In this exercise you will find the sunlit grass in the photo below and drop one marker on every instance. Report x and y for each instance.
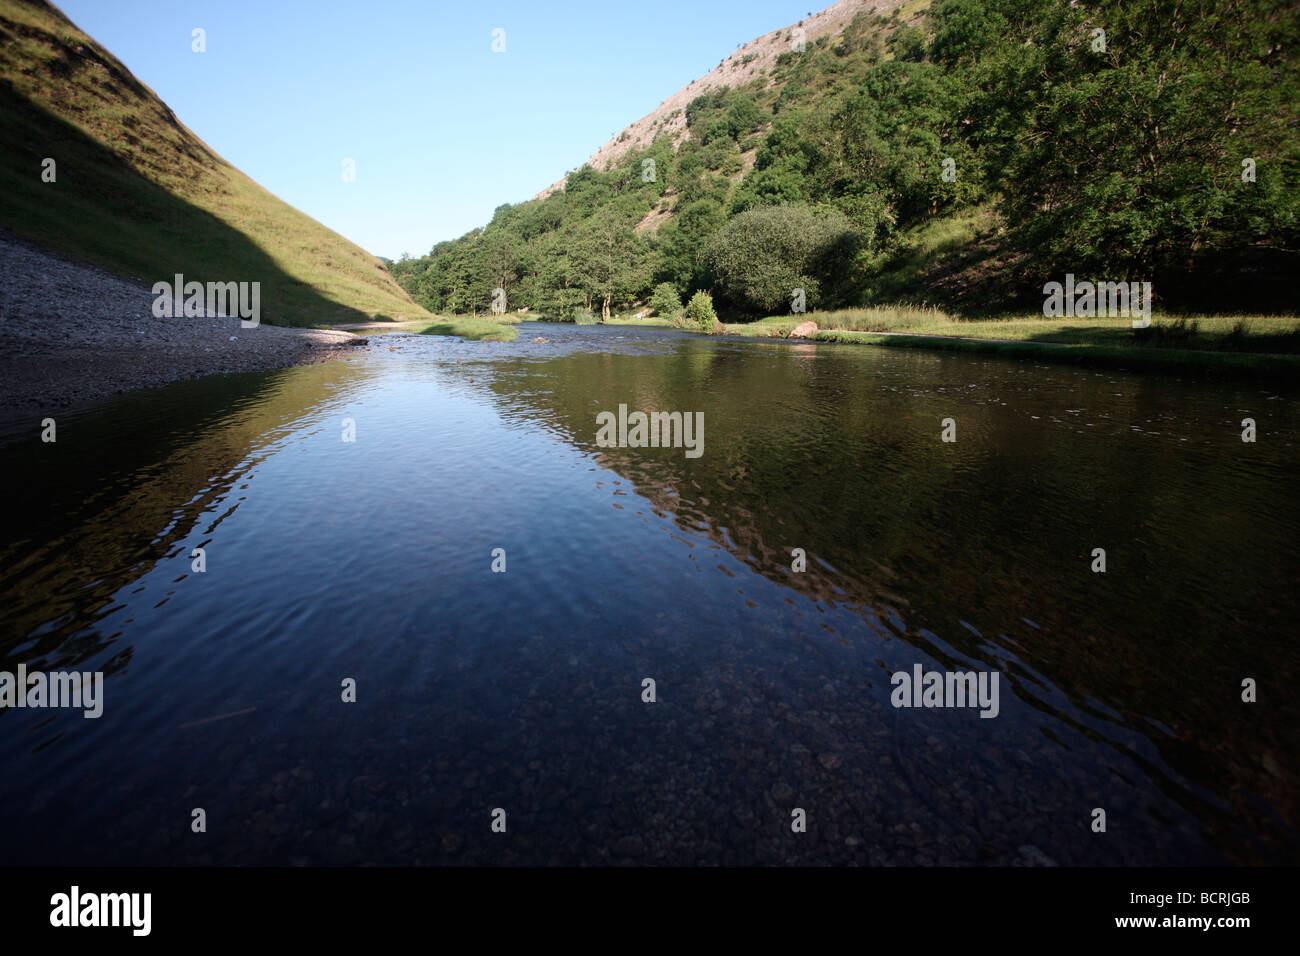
(473, 329)
(648, 321)
(1278, 334)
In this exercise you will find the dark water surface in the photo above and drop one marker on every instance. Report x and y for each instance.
(371, 560)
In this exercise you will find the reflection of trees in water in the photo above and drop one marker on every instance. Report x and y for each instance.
(130, 482)
(842, 457)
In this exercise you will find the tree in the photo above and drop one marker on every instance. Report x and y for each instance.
(679, 242)
(613, 261)
(908, 43)
(665, 301)
(761, 257)
(699, 311)
(1129, 163)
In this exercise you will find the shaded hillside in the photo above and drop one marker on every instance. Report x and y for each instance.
(137, 193)
(961, 153)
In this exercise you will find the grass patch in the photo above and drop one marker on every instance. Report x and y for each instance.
(1208, 333)
(648, 321)
(473, 329)
(1267, 345)
(882, 319)
(1259, 334)
(1100, 356)
(926, 246)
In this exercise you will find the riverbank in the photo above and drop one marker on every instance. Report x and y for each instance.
(1233, 345)
(72, 334)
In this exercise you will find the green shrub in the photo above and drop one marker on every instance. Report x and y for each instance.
(908, 43)
(665, 301)
(745, 116)
(718, 129)
(584, 316)
(699, 311)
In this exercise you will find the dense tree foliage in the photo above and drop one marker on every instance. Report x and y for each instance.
(666, 301)
(1128, 139)
(766, 257)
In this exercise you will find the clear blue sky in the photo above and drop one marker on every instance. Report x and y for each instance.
(442, 129)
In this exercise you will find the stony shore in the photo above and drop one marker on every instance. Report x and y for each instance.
(71, 334)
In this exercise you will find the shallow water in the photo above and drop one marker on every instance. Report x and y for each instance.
(371, 560)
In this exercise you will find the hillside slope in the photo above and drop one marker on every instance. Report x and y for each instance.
(139, 194)
(959, 153)
(749, 62)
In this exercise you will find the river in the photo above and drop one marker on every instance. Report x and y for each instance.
(329, 564)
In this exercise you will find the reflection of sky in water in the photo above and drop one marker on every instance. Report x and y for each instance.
(371, 560)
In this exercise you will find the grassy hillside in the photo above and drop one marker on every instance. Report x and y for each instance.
(960, 153)
(140, 195)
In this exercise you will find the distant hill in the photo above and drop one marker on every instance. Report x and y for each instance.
(959, 153)
(138, 193)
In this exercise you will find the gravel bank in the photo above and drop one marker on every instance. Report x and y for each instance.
(72, 334)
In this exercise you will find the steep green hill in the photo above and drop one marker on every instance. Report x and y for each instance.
(138, 193)
(961, 153)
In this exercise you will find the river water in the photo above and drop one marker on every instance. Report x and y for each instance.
(371, 561)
